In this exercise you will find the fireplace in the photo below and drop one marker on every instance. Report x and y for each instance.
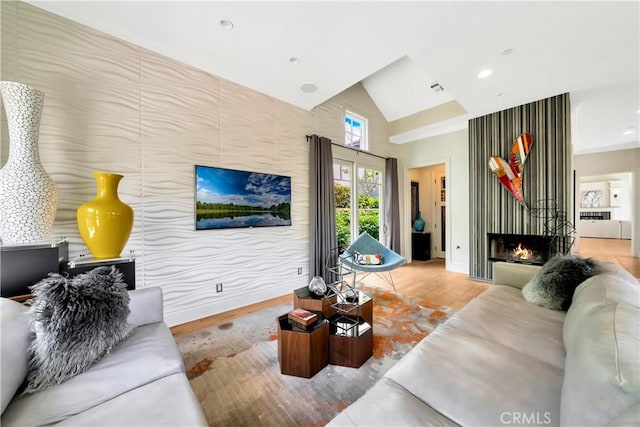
(520, 248)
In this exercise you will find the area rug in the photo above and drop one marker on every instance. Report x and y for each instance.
(234, 371)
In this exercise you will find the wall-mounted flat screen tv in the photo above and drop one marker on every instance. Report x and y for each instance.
(227, 198)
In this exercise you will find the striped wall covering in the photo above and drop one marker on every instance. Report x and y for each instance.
(547, 172)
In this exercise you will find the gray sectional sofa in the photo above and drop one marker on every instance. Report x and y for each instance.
(503, 361)
(141, 383)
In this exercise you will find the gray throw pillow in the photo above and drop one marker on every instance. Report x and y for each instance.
(76, 323)
(553, 285)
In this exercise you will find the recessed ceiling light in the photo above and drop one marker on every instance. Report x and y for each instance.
(294, 60)
(628, 131)
(501, 94)
(437, 87)
(226, 24)
(308, 88)
(507, 51)
(484, 73)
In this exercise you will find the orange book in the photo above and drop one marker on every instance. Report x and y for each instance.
(302, 316)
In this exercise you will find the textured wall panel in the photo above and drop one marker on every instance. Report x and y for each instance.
(547, 172)
(90, 120)
(247, 126)
(179, 128)
(8, 67)
(115, 107)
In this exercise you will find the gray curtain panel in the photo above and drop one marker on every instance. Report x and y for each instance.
(322, 203)
(392, 205)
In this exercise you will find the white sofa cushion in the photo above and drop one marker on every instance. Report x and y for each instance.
(166, 402)
(501, 315)
(475, 381)
(14, 356)
(147, 355)
(389, 404)
(602, 340)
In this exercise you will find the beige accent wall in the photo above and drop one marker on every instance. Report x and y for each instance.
(427, 117)
(113, 106)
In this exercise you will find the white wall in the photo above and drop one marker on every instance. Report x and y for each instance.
(452, 150)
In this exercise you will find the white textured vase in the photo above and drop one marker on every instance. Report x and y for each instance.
(28, 196)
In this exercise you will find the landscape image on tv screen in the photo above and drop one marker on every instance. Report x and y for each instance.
(227, 198)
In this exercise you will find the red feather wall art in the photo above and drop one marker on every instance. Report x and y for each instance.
(510, 173)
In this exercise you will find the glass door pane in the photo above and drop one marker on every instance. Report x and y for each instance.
(342, 188)
(369, 194)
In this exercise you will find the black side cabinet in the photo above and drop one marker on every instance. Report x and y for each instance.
(421, 246)
(24, 265)
(127, 267)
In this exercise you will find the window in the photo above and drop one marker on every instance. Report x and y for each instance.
(355, 131)
(358, 192)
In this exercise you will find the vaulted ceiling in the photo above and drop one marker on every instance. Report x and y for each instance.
(398, 50)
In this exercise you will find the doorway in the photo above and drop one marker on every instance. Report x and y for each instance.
(605, 207)
(439, 212)
(428, 198)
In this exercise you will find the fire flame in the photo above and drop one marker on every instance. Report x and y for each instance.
(522, 252)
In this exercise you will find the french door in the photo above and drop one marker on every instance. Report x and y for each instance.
(358, 195)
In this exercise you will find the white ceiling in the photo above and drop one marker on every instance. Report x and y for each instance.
(399, 49)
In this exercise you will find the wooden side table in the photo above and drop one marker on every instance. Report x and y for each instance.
(302, 354)
(303, 298)
(350, 341)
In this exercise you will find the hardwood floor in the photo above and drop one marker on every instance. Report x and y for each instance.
(429, 280)
(610, 250)
(421, 279)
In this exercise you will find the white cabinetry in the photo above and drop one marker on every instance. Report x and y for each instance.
(606, 229)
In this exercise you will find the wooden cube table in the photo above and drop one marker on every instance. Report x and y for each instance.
(303, 298)
(362, 306)
(302, 354)
(350, 341)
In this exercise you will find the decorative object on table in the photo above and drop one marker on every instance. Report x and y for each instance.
(317, 286)
(302, 317)
(28, 196)
(77, 322)
(419, 223)
(510, 173)
(553, 285)
(105, 222)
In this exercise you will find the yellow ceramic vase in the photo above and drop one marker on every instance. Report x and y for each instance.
(105, 222)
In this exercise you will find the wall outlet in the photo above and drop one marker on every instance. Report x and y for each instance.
(218, 287)
(300, 271)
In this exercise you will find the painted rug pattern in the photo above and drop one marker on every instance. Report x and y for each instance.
(233, 368)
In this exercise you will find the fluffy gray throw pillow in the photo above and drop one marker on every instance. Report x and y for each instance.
(77, 322)
(553, 285)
